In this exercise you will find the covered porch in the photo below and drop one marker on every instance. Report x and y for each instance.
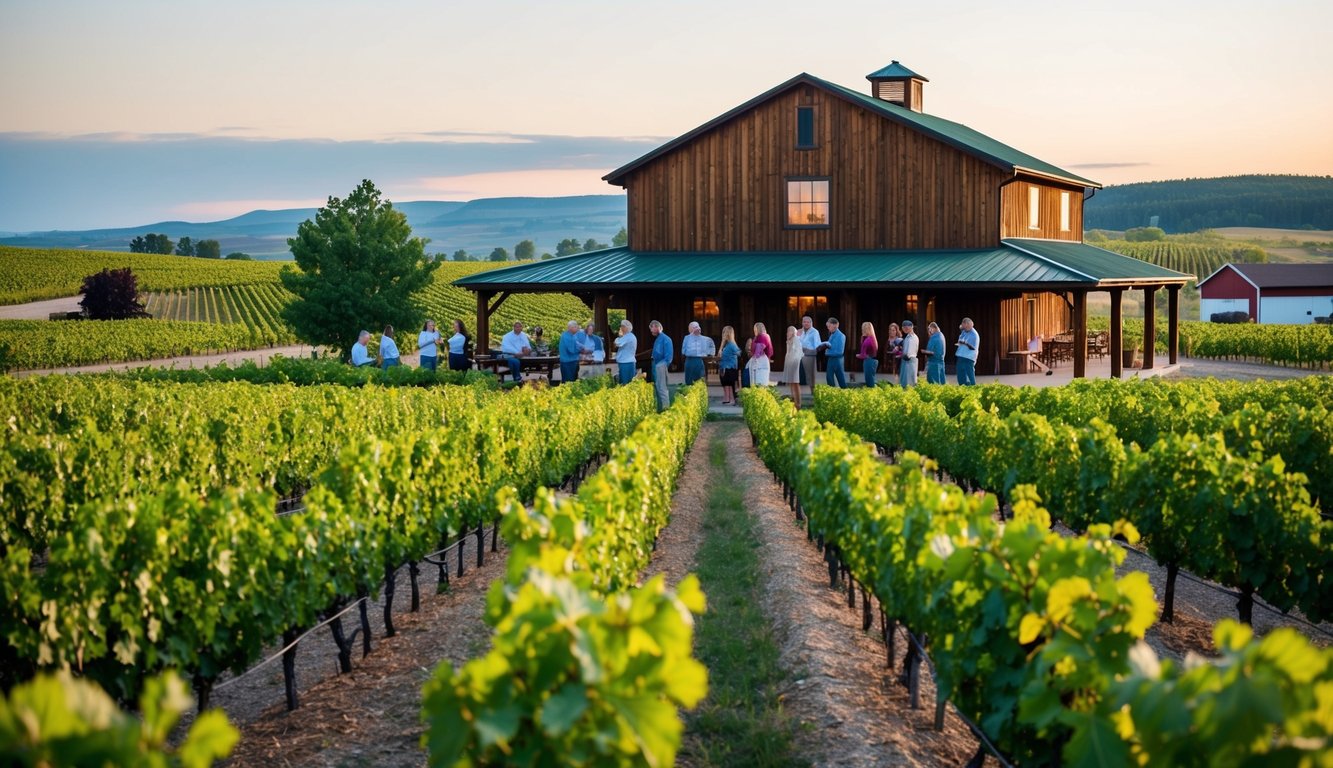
(1015, 291)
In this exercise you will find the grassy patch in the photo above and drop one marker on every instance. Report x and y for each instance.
(741, 722)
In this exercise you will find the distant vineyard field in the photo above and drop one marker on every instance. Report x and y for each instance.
(256, 306)
(1193, 257)
(33, 274)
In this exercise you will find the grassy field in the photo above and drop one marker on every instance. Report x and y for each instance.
(1286, 245)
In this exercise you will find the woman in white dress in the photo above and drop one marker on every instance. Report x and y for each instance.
(791, 365)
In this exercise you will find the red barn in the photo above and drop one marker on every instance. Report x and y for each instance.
(1292, 294)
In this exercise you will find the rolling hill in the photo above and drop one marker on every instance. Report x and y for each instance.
(476, 226)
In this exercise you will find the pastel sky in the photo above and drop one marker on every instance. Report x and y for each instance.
(127, 113)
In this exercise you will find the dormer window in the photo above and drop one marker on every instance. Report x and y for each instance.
(805, 127)
(808, 202)
(1034, 207)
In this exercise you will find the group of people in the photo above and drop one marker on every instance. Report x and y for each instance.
(429, 343)
(577, 345)
(580, 344)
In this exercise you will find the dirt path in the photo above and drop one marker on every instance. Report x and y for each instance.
(678, 543)
(854, 713)
(1228, 370)
(372, 715)
(39, 310)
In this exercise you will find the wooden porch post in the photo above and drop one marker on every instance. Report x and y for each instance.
(1080, 334)
(482, 345)
(1117, 334)
(851, 326)
(600, 302)
(1172, 323)
(1149, 325)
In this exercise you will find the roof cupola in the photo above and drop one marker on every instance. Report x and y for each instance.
(897, 84)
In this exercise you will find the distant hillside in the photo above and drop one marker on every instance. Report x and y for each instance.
(1188, 205)
(477, 226)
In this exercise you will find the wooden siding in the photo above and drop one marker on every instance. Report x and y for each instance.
(891, 187)
(1014, 211)
(1228, 284)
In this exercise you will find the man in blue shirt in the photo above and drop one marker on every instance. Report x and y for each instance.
(663, 351)
(969, 342)
(360, 350)
(835, 374)
(695, 347)
(569, 353)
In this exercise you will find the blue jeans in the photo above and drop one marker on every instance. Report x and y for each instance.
(626, 373)
(694, 369)
(388, 363)
(907, 373)
(870, 366)
(967, 371)
(834, 373)
(515, 368)
(935, 372)
(569, 371)
(660, 386)
(429, 363)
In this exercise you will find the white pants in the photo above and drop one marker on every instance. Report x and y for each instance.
(759, 370)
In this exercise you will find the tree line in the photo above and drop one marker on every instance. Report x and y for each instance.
(527, 250)
(1188, 205)
(162, 244)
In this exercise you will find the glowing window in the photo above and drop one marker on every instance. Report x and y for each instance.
(807, 203)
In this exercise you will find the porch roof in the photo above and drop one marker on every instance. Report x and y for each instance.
(1015, 264)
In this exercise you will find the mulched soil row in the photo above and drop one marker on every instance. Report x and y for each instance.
(852, 709)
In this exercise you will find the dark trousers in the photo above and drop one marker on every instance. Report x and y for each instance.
(457, 362)
(569, 371)
(694, 369)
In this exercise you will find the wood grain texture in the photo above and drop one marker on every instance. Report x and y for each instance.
(890, 186)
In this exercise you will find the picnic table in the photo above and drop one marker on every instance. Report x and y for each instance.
(1033, 360)
(499, 364)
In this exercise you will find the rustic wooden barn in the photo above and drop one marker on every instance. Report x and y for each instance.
(813, 198)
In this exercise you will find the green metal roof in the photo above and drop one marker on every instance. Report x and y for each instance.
(894, 70)
(947, 131)
(1106, 266)
(962, 137)
(1015, 264)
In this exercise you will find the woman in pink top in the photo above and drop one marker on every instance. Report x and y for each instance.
(869, 354)
(761, 357)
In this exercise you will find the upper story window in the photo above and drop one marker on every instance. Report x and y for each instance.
(805, 127)
(1064, 211)
(1034, 207)
(807, 203)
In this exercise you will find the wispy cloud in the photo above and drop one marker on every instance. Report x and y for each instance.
(538, 182)
(1105, 166)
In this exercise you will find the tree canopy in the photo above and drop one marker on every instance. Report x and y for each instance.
(525, 251)
(208, 249)
(112, 294)
(360, 267)
(499, 254)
